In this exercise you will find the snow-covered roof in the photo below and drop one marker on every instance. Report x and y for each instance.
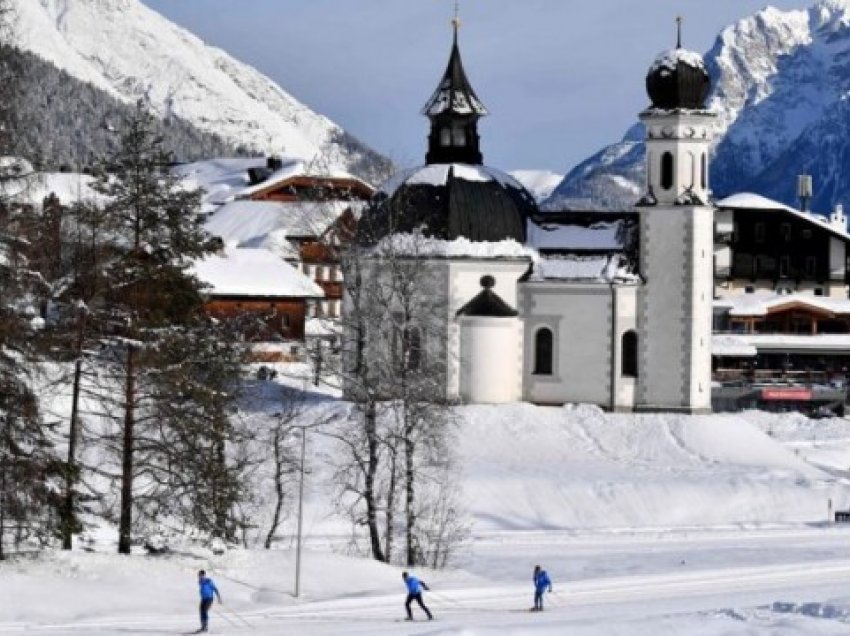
(416, 245)
(751, 201)
(602, 236)
(789, 342)
(454, 93)
(438, 175)
(599, 269)
(732, 346)
(669, 60)
(763, 302)
(253, 272)
(248, 223)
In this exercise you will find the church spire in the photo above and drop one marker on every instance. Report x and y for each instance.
(454, 110)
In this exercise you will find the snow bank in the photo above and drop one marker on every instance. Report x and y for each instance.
(416, 245)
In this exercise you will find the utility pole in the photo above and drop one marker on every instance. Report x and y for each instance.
(300, 514)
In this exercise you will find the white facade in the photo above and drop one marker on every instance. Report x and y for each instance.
(490, 359)
(677, 249)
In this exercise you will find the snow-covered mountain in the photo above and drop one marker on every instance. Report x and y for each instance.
(780, 84)
(131, 52)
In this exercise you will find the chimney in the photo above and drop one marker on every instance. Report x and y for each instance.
(274, 163)
(837, 218)
(804, 191)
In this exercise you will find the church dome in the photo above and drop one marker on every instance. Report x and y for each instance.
(678, 79)
(450, 201)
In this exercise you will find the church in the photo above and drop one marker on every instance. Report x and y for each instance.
(521, 325)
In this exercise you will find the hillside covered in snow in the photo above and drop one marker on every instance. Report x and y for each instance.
(779, 86)
(128, 52)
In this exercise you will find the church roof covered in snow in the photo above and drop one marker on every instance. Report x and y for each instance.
(454, 94)
(610, 268)
(449, 201)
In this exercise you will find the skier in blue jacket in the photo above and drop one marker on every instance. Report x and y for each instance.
(542, 584)
(414, 593)
(208, 591)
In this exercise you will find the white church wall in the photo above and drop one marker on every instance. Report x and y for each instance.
(490, 360)
(624, 312)
(464, 283)
(580, 317)
(675, 308)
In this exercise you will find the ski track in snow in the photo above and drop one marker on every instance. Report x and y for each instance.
(456, 608)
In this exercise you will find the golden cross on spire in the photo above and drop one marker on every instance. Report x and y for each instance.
(456, 19)
(679, 20)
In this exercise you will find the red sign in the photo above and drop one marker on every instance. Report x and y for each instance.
(786, 394)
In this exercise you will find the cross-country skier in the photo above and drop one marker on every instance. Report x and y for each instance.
(542, 583)
(414, 593)
(208, 591)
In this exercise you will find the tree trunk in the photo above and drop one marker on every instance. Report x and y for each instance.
(409, 500)
(2, 507)
(278, 488)
(125, 524)
(369, 487)
(68, 521)
(390, 515)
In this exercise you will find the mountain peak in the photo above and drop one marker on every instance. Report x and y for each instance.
(133, 53)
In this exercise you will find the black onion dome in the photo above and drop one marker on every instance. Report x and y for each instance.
(678, 80)
(487, 304)
(450, 201)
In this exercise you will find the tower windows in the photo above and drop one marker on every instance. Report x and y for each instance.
(760, 232)
(543, 351)
(704, 171)
(446, 137)
(629, 355)
(459, 136)
(667, 170)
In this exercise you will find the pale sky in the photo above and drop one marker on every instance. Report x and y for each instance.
(561, 78)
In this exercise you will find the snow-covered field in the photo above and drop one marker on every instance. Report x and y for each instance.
(650, 524)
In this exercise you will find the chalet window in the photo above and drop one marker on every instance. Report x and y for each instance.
(284, 320)
(786, 232)
(630, 355)
(760, 230)
(704, 171)
(818, 291)
(811, 265)
(785, 266)
(320, 273)
(667, 170)
(807, 234)
(749, 289)
(446, 137)
(543, 351)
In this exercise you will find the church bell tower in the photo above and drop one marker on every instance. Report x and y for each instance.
(677, 238)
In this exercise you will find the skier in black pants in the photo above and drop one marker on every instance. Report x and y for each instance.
(414, 593)
(208, 592)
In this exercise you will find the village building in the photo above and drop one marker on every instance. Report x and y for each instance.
(264, 293)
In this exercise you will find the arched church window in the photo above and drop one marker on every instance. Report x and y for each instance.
(459, 136)
(704, 171)
(446, 137)
(692, 167)
(543, 351)
(667, 170)
(630, 355)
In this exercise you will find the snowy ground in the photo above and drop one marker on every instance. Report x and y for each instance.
(648, 525)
